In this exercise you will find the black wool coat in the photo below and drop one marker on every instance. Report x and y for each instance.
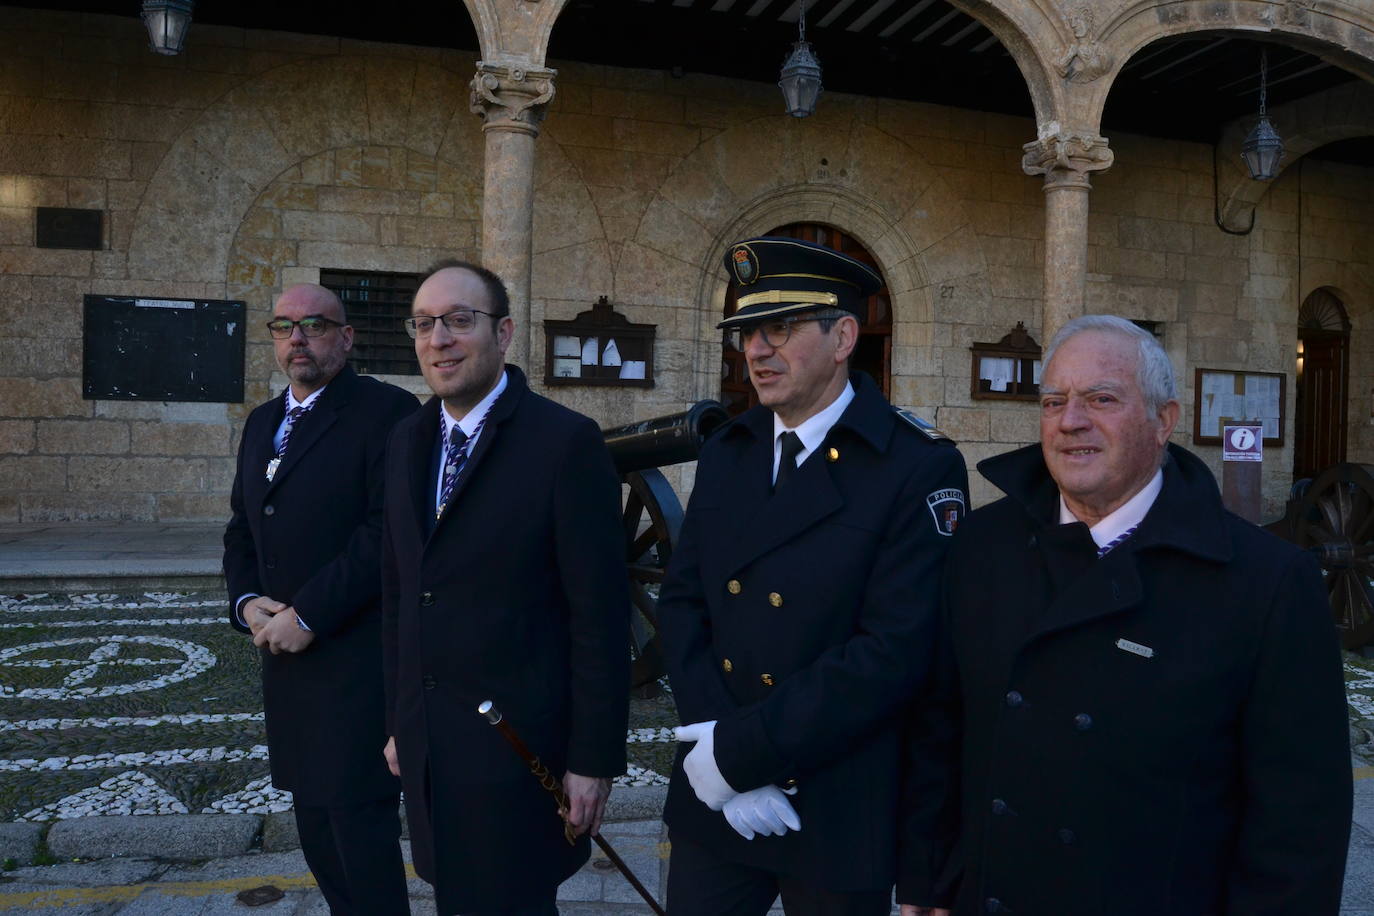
(802, 621)
(312, 538)
(1161, 731)
(518, 595)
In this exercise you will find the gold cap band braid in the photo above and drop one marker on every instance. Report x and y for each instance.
(774, 296)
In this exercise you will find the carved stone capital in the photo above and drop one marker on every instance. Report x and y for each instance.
(1065, 158)
(511, 98)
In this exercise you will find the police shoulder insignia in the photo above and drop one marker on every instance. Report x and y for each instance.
(946, 507)
(924, 427)
(745, 264)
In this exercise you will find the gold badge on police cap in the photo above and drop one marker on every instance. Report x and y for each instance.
(745, 264)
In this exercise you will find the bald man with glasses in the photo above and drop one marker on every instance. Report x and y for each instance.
(303, 569)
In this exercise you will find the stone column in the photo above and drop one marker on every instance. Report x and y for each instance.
(1065, 160)
(511, 102)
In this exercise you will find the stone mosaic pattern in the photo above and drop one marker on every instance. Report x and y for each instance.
(149, 703)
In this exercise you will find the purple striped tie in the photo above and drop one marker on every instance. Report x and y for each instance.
(1115, 542)
(455, 456)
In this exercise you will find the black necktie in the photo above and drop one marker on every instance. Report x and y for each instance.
(791, 448)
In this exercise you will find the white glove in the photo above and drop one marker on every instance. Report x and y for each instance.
(700, 765)
(765, 810)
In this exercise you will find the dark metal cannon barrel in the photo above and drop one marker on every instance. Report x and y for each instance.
(666, 440)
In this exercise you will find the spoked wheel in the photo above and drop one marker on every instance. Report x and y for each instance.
(652, 519)
(1335, 521)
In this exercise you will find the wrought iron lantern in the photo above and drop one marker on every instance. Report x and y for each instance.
(801, 74)
(1263, 148)
(167, 22)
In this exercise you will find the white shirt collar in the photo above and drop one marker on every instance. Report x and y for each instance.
(812, 430)
(309, 401)
(1131, 513)
(470, 420)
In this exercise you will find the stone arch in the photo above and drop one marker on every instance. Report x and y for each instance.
(845, 173)
(1342, 33)
(514, 34)
(1305, 125)
(217, 168)
(1031, 33)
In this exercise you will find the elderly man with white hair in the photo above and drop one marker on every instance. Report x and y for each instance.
(1148, 688)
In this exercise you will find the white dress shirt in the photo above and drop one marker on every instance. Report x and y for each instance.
(812, 431)
(1131, 513)
(468, 425)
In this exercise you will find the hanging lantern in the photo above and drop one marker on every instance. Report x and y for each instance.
(167, 22)
(801, 74)
(1262, 149)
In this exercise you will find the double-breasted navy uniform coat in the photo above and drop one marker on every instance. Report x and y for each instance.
(802, 622)
(1159, 732)
(518, 595)
(312, 538)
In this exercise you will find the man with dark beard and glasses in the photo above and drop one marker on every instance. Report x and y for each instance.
(302, 566)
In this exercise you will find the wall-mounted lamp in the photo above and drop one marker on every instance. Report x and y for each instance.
(1263, 148)
(801, 74)
(167, 22)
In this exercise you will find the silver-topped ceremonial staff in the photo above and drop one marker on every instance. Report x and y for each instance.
(555, 788)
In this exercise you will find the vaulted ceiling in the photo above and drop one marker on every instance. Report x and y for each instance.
(1184, 88)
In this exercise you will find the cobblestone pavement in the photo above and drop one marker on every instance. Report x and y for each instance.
(140, 701)
(149, 703)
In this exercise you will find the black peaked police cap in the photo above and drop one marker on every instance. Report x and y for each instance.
(780, 276)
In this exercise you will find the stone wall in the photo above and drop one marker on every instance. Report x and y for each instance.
(256, 159)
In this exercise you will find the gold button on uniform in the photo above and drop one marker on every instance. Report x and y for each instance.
(832, 455)
(727, 665)
(775, 599)
(733, 587)
(767, 679)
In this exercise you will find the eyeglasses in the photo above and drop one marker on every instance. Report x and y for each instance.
(313, 326)
(458, 321)
(776, 331)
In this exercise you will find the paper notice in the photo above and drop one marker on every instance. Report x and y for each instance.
(611, 355)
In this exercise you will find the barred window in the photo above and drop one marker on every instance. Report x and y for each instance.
(377, 303)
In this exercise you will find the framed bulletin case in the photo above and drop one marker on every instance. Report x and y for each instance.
(599, 347)
(1222, 396)
(1007, 370)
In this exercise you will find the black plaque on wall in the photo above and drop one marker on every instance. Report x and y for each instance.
(69, 227)
(162, 349)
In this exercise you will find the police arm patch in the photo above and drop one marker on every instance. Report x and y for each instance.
(946, 507)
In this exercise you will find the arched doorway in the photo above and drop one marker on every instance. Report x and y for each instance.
(873, 354)
(1323, 381)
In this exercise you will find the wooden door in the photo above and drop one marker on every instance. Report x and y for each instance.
(1319, 421)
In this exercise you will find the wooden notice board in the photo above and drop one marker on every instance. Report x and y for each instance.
(162, 349)
(1222, 396)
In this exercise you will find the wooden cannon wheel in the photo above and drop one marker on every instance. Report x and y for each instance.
(1334, 519)
(652, 519)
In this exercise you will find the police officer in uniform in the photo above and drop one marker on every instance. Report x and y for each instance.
(798, 612)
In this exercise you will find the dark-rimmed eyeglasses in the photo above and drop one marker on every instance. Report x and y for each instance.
(776, 331)
(458, 321)
(312, 326)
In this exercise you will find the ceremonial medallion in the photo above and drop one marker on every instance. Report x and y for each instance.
(272, 468)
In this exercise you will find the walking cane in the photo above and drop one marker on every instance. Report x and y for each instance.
(554, 788)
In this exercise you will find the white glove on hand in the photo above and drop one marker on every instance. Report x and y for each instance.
(700, 765)
(765, 810)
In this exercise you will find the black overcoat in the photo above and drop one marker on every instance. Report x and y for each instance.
(802, 622)
(519, 595)
(1162, 731)
(312, 538)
